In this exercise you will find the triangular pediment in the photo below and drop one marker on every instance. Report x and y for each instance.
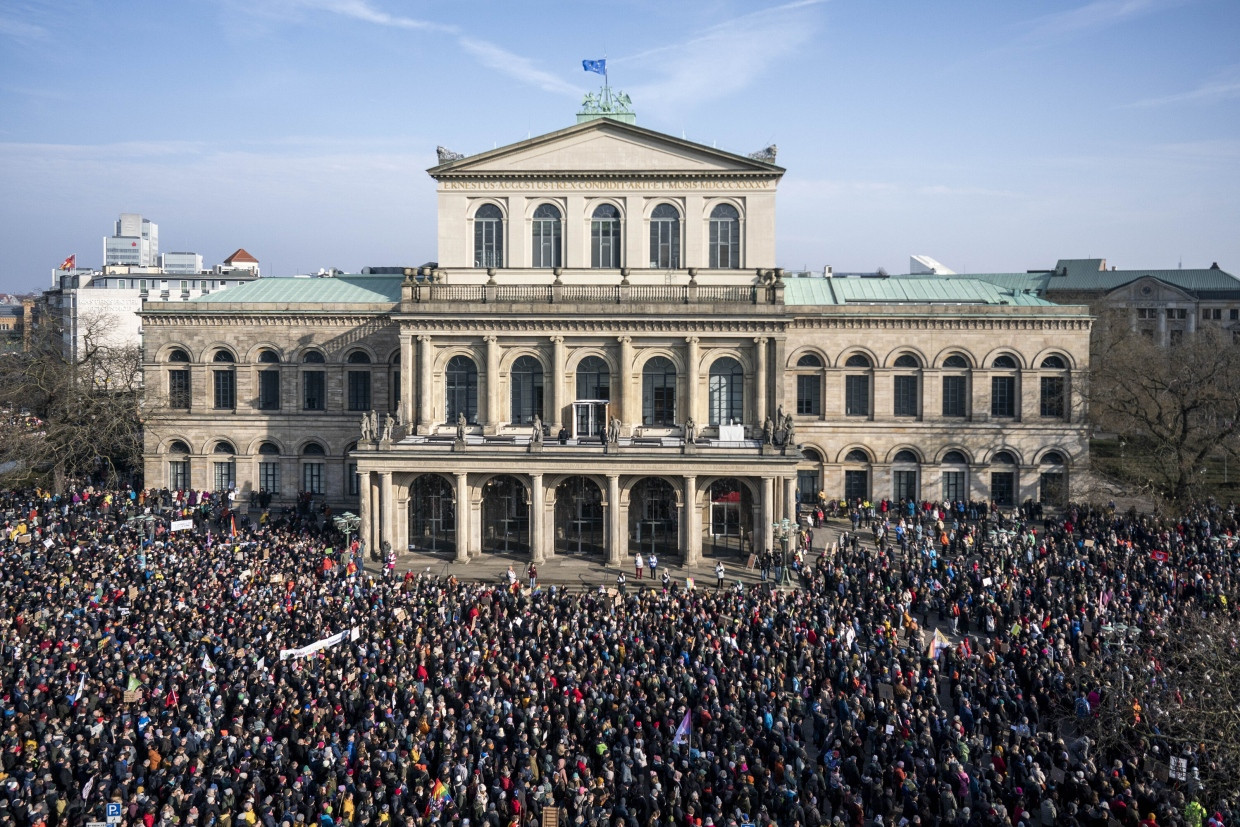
(604, 146)
(1149, 289)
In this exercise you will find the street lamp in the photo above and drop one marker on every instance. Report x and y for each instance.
(347, 523)
(784, 531)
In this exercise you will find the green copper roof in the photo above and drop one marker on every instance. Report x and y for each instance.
(343, 289)
(904, 290)
(1089, 275)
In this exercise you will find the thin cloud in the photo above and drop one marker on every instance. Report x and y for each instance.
(21, 30)
(1220, 88)
(722, 59)
(1095, 16)
(489, 54)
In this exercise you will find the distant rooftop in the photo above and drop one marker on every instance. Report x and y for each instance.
(338, 289)
(1091, 275)
(904, 290)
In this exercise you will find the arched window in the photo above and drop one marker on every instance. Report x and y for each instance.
(178, 447)
(269, 468)
(461, 389)
(1003, 389)
(727, 391)
(593, 379)
(358, 382)
(906, 398)
(809, 476)
(268, 381)
(488, 236)
(956, 387)
(527, 390)
(178, 355)
(268, 449)
(665, 238)
(224, 466)
(178, 380)
(313, 382)
(904, 487)
(178, 465)
(1052, 458)
(312, 468)
(1003, 458)
(857, 386)
(1054, 363)
(1003, 479)
(313, 357)
(955, 477)
(809, 386)
(857, 455)
(547, 232)
(857, 480)
(605, 237)
(725, 237)
(659, 392)
(224, 381)
(955, 361)
(223, 447)
(268, 357)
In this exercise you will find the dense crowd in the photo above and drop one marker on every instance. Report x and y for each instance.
(143, 667)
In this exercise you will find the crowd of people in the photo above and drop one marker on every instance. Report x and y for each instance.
(245, 671)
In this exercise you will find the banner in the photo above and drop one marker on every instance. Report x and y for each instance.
(182, 525)
(310, 649)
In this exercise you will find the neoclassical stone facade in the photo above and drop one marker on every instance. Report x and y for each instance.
(616, 287)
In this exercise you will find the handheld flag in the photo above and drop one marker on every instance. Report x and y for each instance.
(70, 263)
(233, 525)
(207, 665)
(80, 690)
(683, 732)
(134, 683)
(598, 67)
(172, 699)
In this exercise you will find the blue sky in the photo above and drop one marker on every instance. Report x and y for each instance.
(991, 135)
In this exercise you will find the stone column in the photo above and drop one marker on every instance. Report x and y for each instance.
(365, 529)
(406, 382)
(692, 380)
(537, 528)
(492, 413)
(624, 391)
(400, 518)
(426, 361)
(615, 529)
(767, 515)
(557, 383)
(1162, 327)
(386, 506)
(692, 541)
(462, 517)
(790, 498)
(759, 382)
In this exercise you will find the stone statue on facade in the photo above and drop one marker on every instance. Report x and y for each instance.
(388, 422)
(613, 431)
(790, 434)
(690, 430)
(768, 431)
(367, 434)
(460, 427)
(374, 424)
(536, 434)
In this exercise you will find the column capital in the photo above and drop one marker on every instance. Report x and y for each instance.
(490, 338)
(692, 340)
(424, 337)
(557, 340)
(624, 340)
(760, 340)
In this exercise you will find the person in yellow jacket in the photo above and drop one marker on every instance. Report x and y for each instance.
(1194, 814)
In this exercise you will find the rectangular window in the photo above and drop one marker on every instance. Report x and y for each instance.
(1003, 487)
(225, 390)
(185, 287)
(354, 480)
(120, 284)
(856, 485)
(178, 475)
(225, 476)
(809, 395)
(807, 485)
(314, 390)
(1180, 313)
(394, 391)
(905, 396)
(955, 400)
(312, 477)
(1233, 315)
(142, 285)
(904, 485)
(953, 486)
(269, 390)
(269, 477)
(1053, 396)
(605, 244)
(178, 389)
(359, 390)
(1003, 396)
(857, 395)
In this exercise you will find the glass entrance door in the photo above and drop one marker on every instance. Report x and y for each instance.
(589, 418)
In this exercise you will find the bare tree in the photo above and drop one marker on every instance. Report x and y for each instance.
(1173, 407)
(1172, 693)
(88, 403)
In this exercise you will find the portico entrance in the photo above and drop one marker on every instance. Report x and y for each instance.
(654, 519)
(505, 516)
(579, 518)
(432, 515)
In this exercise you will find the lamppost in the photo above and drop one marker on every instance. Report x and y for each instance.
(784, 531)
(347, 524)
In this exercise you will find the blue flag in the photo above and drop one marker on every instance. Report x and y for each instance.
(683, 732)
(597, 66)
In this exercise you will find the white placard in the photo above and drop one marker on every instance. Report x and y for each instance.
(182, 525)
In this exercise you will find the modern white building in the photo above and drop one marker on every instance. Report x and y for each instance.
(135, 242)
(181, 264)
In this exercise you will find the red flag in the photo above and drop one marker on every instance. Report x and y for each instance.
(69, 263)
(234, 525)
(1159, 555)
(171, 700)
